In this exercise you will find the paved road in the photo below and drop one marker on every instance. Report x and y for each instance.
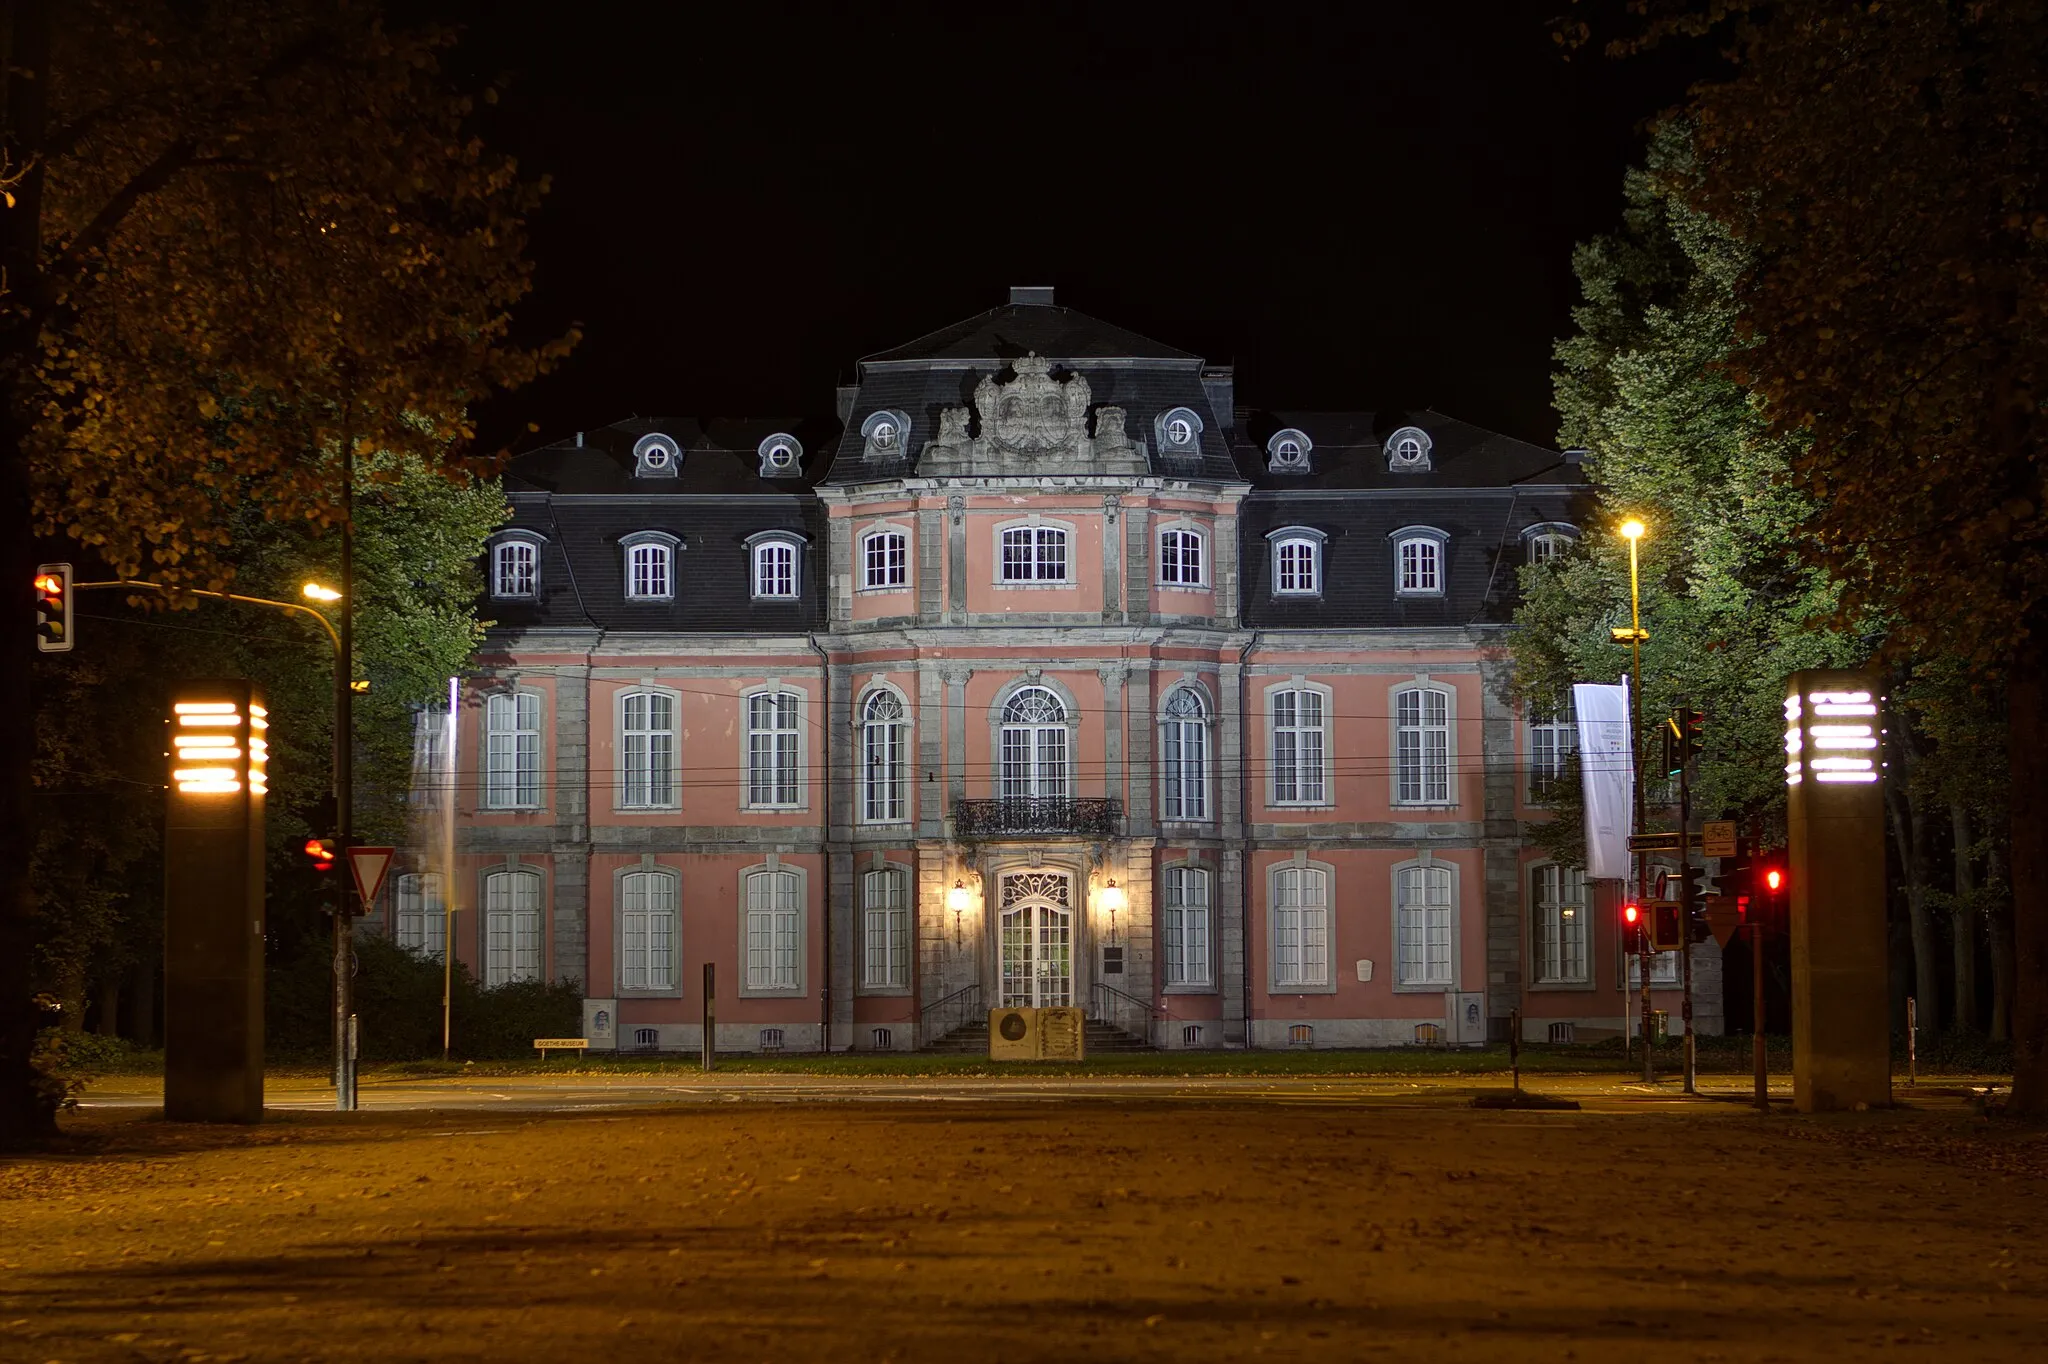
(576, 1093)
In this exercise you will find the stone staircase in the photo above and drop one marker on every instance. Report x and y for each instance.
(1100, 1039)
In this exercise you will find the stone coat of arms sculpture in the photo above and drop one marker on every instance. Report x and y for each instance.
(1032, 424)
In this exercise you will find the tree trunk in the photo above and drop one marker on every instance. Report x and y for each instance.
(1909, 828)
(1998, 923)
(2027, 750)
(143, 1004)
(1967, 920)
(109, 1023)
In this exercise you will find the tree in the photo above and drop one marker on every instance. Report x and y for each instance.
(1882, 166)
(241, 240)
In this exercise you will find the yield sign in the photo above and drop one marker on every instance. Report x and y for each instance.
(369, 866)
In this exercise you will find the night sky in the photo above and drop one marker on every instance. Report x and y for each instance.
(1359, 205)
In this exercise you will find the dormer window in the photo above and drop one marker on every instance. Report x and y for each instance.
(650, 565)
(1408, 450)
(1419, 561)
(1297, 562)
(655, 456)
(515, 566)
(776, 556)
(1548, 542)
(1287, 452)
(1179, 432)
(882, 434)
(781, 456)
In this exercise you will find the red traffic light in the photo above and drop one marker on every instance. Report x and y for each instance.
(1631, 913)
(1775, 879)
(320, 851)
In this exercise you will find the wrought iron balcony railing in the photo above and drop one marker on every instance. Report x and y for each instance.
(1037, 816)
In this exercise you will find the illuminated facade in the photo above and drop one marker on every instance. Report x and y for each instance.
(1045, 674)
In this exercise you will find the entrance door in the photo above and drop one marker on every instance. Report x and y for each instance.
(1037, 940)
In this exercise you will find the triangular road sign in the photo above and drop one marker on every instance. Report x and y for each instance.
(369, 866)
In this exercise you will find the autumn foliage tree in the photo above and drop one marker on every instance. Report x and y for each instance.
(1883, 167)
(239, 239)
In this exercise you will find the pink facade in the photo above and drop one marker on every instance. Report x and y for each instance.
(1060, 681)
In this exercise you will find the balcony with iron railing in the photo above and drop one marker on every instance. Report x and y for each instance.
(1037, 817)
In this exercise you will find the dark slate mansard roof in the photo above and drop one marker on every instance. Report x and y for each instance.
(1483, 490)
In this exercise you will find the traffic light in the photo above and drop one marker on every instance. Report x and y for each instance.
(1693, 733)
(53, 608)
(1667, 926)
(1674, 747)
(1631, 927)
(321, 852)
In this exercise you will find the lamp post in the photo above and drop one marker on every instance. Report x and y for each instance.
(1632, 531)
(344, 788)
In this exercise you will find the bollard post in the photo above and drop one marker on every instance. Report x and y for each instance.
(710, 1014)
(1515, 1046)
(1912, 1042)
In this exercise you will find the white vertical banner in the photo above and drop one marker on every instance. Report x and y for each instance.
(1608, 771)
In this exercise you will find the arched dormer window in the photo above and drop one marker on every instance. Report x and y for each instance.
(650, 565)
(1179, 432)
(515, 566)
(656, 456)
(1419, 561)
(1297, 561)
(1287, 452)
(782, 456)
(885, 434)
(1408, 450)
(1547, 541)
(777, 560)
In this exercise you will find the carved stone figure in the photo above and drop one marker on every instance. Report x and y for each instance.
(1032, 423)
(1034, 414)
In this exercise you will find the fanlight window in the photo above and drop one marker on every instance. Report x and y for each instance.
(1034, 744)
(882, 733)
(1184, 756)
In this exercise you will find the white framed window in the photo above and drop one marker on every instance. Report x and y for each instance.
(1033, 744)
(774, 756)
(515, 568)
(647, 750)
(1420, 566)
(780, 454)
(650, 566)
(1422, 924)
(1301, 926)
(882, 742)
(1183, 557)
(1184, 756)
(885, 930)
(1422, 746)
(775, 569)
(1559, 936)
(1297, 563)
(774, 930)
(1296, 715)
(511, 927)
(1186, 935)
(1548, 547)
(1178, 431)
(1552, 740)
(1408, 449)
(655, 456)
(882, 432)
(884, 560)
(420, 915)
(1034, 554)
(647, 930)
(1287, 451)
(512, 751)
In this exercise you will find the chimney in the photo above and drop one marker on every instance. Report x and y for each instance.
(1028, 296)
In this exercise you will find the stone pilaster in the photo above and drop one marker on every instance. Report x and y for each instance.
(1501, 842)
(956, 559)
(569, 852)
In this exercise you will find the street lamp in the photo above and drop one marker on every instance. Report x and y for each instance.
(1632, 531)
(316, 592)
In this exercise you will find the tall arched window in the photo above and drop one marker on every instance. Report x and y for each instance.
(1422, 746)
(881, 750)
(1297, 721)
(511, 927)
(1034, 744)
(772, 748)
(647, 931)
(1184, 756)
(1422, 925)
(421, 918)
(885, 930)
(647, 750)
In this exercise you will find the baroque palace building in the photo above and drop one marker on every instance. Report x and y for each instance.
(1046, 675)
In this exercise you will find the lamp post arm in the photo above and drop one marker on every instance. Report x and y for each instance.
(332, 638)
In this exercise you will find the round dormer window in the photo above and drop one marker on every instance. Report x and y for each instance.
(781, 456)
(656, 457)
(1179, 431)
(884, 435)
(1287, 452)
(1409, 450)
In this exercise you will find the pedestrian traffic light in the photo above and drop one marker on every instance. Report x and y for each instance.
(321, 853)
(53, 608)
(1737, 877)
(1693, 736)
(1774, 880)
(1631, 927)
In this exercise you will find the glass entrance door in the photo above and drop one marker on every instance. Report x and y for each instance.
(1037, 926)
